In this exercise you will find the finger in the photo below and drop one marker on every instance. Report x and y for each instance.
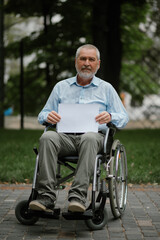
(53, 117)
(101, 116)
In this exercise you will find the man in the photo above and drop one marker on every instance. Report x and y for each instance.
(83, 88)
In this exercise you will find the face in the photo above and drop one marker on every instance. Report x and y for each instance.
(87, 63)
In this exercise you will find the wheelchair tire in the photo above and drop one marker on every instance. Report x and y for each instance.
(22, 215)
(118, 183)
(99, 220)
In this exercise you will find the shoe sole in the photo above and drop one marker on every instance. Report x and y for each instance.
(76, 207)
(38, 207)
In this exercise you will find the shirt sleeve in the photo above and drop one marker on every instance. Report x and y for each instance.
(118, 112)
(51, 105)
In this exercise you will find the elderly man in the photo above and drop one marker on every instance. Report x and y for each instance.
(84, 88)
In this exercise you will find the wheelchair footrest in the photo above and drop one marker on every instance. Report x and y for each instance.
(88, 214)
(53, 215)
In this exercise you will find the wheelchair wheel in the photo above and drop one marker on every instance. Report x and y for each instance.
(99, 220)
(118, 183)
(23, 215)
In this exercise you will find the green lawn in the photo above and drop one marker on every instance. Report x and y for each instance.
(17, 158)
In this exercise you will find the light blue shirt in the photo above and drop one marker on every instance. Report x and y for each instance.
(98, 91)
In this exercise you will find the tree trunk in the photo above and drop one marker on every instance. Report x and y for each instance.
(106, 36)
(1, 64)
(46, 21)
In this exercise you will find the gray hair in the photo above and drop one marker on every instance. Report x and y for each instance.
(88, 46)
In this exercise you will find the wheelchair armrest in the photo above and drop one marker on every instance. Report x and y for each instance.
(48, 125)
(109, 133)
(111, 125)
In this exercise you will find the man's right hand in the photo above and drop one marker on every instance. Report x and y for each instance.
(53, 117)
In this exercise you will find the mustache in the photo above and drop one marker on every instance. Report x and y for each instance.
(85, 67)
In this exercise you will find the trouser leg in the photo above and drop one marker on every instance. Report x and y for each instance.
(89, 145)
(51, 145)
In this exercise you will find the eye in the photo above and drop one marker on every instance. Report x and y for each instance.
(91, 59)
(83, 58)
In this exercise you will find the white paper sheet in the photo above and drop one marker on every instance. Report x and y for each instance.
(78, 118)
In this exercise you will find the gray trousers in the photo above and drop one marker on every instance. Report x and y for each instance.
(52, 145)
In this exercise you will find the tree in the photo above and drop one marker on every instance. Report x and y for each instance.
(54, 50)
(137, 78)
(113, 26)
(106, 36)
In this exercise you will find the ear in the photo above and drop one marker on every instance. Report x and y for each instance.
(99, 63)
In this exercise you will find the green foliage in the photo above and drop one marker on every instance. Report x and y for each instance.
(137, 71)
(54, 46)
(34, 88)
(30, 8)
(137, 82)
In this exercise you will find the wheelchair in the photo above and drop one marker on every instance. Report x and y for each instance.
(109, 181)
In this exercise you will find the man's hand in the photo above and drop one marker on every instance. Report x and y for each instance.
(53, 117)
(103, 117)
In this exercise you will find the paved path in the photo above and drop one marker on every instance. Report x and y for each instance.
(140, 221)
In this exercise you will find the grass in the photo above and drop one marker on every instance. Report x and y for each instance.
(143, 153)
(17, 159)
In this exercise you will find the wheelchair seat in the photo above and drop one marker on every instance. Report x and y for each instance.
(72, 159)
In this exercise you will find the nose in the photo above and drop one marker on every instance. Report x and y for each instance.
(87, 62)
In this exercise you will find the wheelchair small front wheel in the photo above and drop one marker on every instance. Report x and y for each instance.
(22, 214)
(99, 220)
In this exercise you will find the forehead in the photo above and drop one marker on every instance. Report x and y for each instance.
(87, 52)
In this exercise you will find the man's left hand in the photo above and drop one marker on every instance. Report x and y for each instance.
(103, 117)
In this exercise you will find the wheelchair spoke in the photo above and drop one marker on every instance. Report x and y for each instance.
(118, 184)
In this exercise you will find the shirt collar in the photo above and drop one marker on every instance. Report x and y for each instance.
(95, 81)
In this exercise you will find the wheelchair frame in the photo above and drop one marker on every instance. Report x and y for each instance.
(113, 185)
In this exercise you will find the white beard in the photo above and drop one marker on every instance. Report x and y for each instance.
(85, 74)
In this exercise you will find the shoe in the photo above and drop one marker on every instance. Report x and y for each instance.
(76, 205)
(42, 203)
